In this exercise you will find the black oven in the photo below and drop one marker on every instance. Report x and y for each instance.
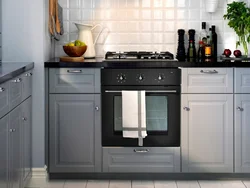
(162, 88)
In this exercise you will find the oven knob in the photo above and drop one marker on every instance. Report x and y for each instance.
(160, 78)
(140, 78)
(121, 77)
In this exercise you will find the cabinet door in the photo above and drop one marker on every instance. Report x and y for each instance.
(26, 85)
(242, 132)
(242, 80)
(15, 92)
(15, 148)
(74, 122)
(4, 99)
(4, 152)
(26, 137)
(207, 133)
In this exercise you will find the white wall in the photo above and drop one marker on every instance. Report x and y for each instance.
(25, 38)
(144, 24)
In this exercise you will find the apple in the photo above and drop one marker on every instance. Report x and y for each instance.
(227, 52)
(237, 53)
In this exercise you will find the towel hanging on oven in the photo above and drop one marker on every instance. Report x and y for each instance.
(134, 115)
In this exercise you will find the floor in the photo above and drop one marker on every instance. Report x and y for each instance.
(138, 184)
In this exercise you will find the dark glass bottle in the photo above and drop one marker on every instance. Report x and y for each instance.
(201, 52)
(214, 43)
(181, 54)
(191, 53)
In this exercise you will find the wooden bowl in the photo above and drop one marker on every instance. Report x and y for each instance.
(74, 51)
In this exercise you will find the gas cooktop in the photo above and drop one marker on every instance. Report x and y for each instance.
(138, 56)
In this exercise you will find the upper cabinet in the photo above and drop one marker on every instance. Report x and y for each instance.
(207, 80)
(242, 80)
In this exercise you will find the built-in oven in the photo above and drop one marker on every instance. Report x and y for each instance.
(162, 90)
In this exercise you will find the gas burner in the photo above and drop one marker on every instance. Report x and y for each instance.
(139, 55)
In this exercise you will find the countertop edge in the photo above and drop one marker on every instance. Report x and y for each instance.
(15, 71)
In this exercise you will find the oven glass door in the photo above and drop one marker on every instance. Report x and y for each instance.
(162, 117)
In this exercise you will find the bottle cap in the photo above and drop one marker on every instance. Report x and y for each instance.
(213, 28)
(191, 32)
(181, 31)
(203, 25)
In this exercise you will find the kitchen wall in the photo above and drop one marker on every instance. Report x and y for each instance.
(143, 24)
(26, 38)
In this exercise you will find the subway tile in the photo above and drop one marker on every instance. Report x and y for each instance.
(169, 3)
(146, 38)
(98, 14)
(181, 3)
(86, 15)
(122, 14)
(158, 3)
(170, 14)
(158, 14)
(66, 26)
(66, 14)
(134, 39)
(133, 26)
(146, 26)
(73, 36)
(133, 3)
(169, 26)
(98, 4)
(74, 3)
(158, 26)
(133, 14)
(169, 38)
(218, 15)
(182, 25)
(146, 14)
(86, 4)
(157, 38)
(122, 26)
(194, 14)
(72, 27)
(194, 4)
(205, 15)
(182, 14)
(75, 14)
(146, 3)
(111, 4)
(110, 14)
(123, 38)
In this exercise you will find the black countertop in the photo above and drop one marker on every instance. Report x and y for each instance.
(9, 70)
(101, 63)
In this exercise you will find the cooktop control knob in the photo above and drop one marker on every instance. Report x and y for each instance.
(140, 78)
(121, 78)
(160, 77)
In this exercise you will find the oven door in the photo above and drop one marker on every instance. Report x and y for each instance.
(162, 116)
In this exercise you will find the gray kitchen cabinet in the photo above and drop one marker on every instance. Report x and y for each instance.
(242, 132)
(141, 159)
(207, 133)
(26, 138)
(4, 99)
(4, 132)
(74, 80)
(26, 85)
(15, 92)
(15, 155)
(74, 133)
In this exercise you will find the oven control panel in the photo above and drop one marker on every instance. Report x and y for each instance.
(141, 77)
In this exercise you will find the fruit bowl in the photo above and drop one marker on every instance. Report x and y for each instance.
(74, 51)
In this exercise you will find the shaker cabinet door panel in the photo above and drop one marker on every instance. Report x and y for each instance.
(4, 99)
(15, 148)
(207, 133)
(4, 132)
(15, 92)
(242, 80)
(26, 137)
(73, 121)
(26, 85)
(242, 132)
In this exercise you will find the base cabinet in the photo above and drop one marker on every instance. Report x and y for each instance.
(75, 133)
(242, 132)
(4, 135)
(207, 133)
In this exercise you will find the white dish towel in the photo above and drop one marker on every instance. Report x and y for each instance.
(134, 114)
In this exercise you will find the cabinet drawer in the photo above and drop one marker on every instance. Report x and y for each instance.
(242, 80)
(207, 80)
(4, 99)
(26, 84)
(74, 80)
(139, 160)
(15, 92)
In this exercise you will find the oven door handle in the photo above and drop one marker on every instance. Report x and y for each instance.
(141, 150)
(147, 91)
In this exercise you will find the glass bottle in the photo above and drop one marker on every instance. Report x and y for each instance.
(201, 52)
(203, 33)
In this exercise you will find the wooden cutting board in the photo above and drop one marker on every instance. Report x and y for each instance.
(71, 59)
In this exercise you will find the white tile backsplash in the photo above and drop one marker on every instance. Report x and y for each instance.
(142, 24)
